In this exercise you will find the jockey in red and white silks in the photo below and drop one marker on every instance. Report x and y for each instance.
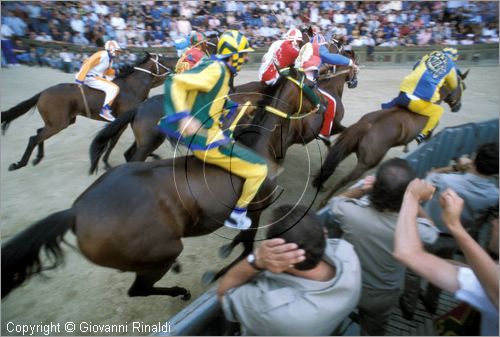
(281, 53)
(309, 61)
(97, 72)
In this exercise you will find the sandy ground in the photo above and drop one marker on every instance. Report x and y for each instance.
(82, 292)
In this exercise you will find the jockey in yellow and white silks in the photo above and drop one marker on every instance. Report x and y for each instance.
(194, 105)
(97, 72)
(419, 91)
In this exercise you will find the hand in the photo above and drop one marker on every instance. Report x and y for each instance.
(463, 164)
(368, 183)
(189, 125)
(355, 67)
(277, 256)
(452, 206)
(421, 189)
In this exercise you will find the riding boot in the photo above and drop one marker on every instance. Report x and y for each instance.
(106, 113)
(238, 220)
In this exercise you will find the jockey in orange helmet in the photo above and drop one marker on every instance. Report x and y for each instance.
(193, 55)
(281, 53)
(94, 72)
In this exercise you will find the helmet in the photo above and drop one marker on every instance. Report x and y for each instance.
(293, 35)
(451, 52)
(197, 38)
(233, 44)
(112, 47)
(319, 39)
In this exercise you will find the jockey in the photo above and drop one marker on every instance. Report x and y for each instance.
(281, 53)
(97, 72)
(194, 104)
(419, 91)
(331, 58)
(193, 55)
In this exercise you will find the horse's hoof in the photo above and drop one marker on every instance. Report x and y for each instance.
(13, 166)
(208, 277)
(176, 267)
(36, 161)
(186, 296)
(225, 251)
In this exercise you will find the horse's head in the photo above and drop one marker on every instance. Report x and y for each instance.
(454, 97)
(212, 42)
(159, 66)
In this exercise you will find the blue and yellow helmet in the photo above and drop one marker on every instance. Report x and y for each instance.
(233, 44)
(452, 52)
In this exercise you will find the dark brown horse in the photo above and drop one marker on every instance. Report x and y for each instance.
(134, 216)
(375, 133)
(59, 105)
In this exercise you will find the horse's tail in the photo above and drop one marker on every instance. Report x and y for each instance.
(17, 111)
(101, 141)
(346, 144)
(21, 254)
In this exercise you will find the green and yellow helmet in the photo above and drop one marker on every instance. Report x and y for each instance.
(452, 52)
(235, 45)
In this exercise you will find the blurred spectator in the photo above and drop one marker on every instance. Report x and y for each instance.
(8, 54)
(479, 191)
(80, 39)
(476, 284)
(367, 216)
(66, 60)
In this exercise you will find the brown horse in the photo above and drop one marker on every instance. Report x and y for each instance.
(134, 216)
(375, 133)
(59, 105)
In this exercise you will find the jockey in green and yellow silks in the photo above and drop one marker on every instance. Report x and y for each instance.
(194, 105)
(419, 91)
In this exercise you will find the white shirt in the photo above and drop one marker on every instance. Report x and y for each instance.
(473, 293)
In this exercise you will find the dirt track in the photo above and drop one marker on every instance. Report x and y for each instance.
(80, 291)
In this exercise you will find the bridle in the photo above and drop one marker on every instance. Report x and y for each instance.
(158, 66)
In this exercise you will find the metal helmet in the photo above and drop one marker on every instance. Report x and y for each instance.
(452, 52)
(293, 35)
(233, 44)
(112, 47)
(197, 38)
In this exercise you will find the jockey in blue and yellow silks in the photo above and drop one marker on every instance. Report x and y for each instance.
(194, 105)
(419, 91)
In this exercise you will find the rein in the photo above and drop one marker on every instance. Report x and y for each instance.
(158, 65)
(311, 95)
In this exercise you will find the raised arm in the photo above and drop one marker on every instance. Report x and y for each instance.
(408, 248)
(480, 262)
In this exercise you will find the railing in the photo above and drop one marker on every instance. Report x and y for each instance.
(204, 316)
(381, 55)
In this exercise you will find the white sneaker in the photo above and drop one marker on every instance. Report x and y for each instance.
(238, 220)
(106, 114)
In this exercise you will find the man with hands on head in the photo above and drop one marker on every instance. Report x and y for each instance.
(296, 283)
(477, 284)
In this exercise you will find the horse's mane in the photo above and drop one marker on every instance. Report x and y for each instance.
(128, 69)
(250, 134)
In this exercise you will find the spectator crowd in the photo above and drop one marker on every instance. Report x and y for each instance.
(162, 23)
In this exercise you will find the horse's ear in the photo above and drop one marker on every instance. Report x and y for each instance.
(464, 75)
(147, 53)
(310, 31)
